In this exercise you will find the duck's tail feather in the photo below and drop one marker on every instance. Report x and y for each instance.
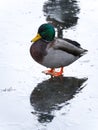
(84, 52)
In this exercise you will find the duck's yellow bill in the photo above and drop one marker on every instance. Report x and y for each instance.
(36, 38)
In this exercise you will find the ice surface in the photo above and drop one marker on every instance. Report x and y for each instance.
(20, 75)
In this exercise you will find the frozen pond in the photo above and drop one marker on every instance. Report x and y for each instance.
(29, 100)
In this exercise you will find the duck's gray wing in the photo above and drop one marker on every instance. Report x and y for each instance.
(72, 42)
(66, 46)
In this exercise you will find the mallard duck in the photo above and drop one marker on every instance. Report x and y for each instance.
(53, 52)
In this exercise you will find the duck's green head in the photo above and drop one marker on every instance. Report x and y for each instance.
(46, 32)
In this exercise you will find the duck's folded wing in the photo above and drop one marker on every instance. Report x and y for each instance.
(68, 47)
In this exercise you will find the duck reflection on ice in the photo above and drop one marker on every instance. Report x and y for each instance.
(63, 14)
(49, 95)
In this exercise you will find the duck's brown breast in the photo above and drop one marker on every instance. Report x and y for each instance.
(38, 51)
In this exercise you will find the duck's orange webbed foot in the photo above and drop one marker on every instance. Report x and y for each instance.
(54, 73)
(48, 72)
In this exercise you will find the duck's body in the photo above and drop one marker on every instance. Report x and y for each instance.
(56, 53)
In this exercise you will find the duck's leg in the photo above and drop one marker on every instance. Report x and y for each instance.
(49, 72)
(56, 74)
